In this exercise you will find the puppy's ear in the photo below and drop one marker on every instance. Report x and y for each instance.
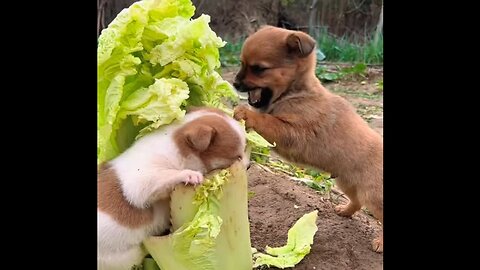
(200, 137)
(300, 44)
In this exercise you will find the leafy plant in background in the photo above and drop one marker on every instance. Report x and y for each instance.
(327, 76)
(230, 53)
(359, 69)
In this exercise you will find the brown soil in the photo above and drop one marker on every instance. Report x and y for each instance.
(340, 243)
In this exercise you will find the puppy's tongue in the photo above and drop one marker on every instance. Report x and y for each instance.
(254, 96)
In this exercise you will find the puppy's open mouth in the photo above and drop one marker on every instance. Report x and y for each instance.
(259, 97)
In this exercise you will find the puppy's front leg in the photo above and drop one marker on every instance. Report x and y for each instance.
(159, 186)
(280, 129)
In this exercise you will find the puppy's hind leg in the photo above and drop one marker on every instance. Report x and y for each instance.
(353, 206)
(375, 205)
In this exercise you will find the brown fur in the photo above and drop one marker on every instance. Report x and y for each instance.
(110, 200)
(309, 124)
(210, 138)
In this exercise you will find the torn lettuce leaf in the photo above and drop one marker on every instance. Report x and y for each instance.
(300, 239)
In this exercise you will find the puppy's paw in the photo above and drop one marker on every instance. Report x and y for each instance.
(241, 112)
(344, 210)
(192, 177)
(377, 244)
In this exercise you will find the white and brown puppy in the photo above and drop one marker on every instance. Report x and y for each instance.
(309, 124)
(134, 188)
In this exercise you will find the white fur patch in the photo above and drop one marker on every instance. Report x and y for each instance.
(118, 246)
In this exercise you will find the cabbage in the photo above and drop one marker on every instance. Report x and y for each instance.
(210, 226)
(153, 62)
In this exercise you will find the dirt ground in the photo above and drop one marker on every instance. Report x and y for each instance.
(340, 243)
(277, 201)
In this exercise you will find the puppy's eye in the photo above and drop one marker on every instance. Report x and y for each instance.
(256, 69)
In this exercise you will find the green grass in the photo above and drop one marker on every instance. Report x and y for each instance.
(357, 70)
(336, 49)
(343, 49)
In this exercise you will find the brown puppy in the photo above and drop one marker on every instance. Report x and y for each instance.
(309, 124)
